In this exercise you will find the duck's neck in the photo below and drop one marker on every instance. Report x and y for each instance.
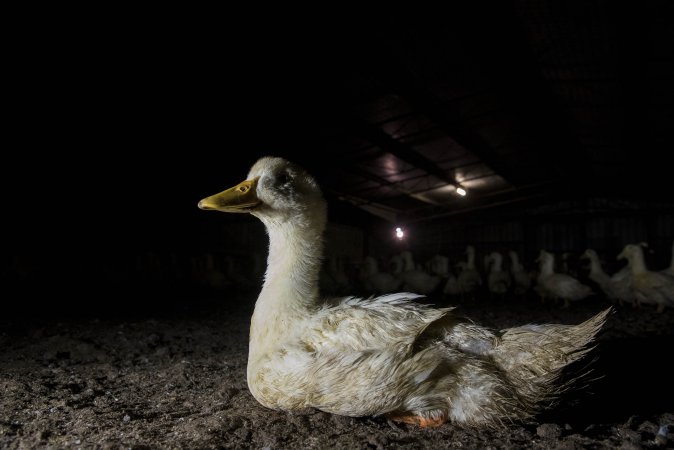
(290, 290)
(497, 266)
(515, 262)
(470, 259)
(596, 271)
(547, 267)
(637, 262)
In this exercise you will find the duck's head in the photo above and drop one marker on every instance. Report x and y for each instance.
(275, 190)
(544, 256)
(589, 254)
(629, 252)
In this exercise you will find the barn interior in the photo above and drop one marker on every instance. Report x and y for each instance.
(444, 141)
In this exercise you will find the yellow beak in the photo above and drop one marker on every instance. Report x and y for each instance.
(238, 199)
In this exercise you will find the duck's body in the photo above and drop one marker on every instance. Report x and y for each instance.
(382, 356)
(375, 281)
(498, 280)
(616, 288)
(469, 278)
(559, 285)
(417, 280)
(653, 288)
(521, 278)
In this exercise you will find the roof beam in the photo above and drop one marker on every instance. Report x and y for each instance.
(398, 78)
(487, 201)
(398, 149)
(372, 177)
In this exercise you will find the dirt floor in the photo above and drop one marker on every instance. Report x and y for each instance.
(176, 379)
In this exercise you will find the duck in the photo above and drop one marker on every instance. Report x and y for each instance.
(498, 280)
(375, 281)
(559, 285)
(469, 278)
(439, 265)
(617, 287)
(389, 356)
(415, 279)
(653, 288)
(521, 278)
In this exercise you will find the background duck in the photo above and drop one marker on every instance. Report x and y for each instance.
(417, 280)
(670, 270)
(559, 285)
(498, 280)
(469, 278)
(375, 281)
(653, 288)
(387, 355)
(521, 278)
(617, 287)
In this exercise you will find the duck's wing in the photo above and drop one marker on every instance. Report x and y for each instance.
(368, 324)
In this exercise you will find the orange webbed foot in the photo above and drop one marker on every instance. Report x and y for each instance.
(423, 422)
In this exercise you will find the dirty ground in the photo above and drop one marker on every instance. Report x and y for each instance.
(174, 377)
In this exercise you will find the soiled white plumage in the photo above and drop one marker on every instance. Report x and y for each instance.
(387, 355)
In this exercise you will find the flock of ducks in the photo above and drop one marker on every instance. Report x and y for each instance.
(391, 355)
(634, 284)
(499, 278)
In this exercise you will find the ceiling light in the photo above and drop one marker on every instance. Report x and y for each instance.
(400, 233)
(461, 191)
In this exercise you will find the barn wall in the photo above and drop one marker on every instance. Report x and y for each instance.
(605, 229)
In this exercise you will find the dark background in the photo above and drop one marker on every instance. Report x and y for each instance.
(121, 120)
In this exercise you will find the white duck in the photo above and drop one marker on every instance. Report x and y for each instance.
(498, 280)
(654, 288)
(469, 278)
(521, 278)
(617, 287)
(417, 280)
(375, 281)
(559, 285)
(440, 267)
(388, 355)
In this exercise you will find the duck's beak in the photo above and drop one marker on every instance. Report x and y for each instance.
(238, 199)
(621, 255)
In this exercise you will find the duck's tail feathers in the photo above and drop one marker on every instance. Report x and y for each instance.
(534, 356)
